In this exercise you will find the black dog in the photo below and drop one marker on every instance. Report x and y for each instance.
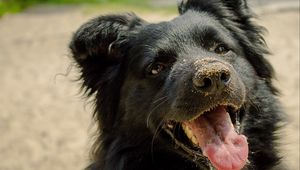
(188, 94)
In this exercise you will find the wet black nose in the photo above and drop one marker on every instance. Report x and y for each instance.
(211, 78)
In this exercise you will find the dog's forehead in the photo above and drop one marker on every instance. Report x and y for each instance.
(183, 25)
(188, 29)
(193, 18)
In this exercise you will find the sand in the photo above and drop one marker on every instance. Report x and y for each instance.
(46, 124)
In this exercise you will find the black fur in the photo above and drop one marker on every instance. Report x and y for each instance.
(116, 55)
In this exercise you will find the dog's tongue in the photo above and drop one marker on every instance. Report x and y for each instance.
(218, 140)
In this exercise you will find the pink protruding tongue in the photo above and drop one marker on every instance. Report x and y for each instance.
(218, 140)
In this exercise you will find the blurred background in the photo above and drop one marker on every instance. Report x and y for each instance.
(45, 123)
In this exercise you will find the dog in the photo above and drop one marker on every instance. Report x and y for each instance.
(193, 93)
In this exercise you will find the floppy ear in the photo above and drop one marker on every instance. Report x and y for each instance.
(99, 46)
(212, 6)
(237, 18)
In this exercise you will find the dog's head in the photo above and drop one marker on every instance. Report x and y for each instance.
(190, 75)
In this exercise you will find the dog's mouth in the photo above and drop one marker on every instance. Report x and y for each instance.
(214, 135)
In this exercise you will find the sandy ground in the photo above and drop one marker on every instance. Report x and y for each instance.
(45, 124)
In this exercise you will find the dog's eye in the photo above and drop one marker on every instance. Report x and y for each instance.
(156, 68)
(221, 49)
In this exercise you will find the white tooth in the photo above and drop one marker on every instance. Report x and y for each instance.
(194, 140)
(170, 125)
(237, 123)
(190, 134)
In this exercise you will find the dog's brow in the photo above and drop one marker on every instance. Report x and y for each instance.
(207, 33)
(166, 54)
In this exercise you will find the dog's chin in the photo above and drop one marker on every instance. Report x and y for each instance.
(212, 136)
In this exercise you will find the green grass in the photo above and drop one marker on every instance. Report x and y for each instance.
(14, 6)
(10, 6)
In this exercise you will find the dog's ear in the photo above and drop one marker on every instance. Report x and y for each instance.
(236, 5)
(212, 6)
(99, 46)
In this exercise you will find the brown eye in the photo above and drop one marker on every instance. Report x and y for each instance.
(156, 68)
(221, 49)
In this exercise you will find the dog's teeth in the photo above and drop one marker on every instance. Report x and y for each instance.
(194, 140)
(170, 125)
(237, 123)
(190, 134)
(188, 131)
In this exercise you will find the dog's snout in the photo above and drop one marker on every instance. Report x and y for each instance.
(211, 77)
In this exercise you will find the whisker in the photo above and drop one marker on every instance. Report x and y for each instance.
(159, 99)
(152, 111)
(156, 133)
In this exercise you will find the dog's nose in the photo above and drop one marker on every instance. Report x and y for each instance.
(211, 77)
